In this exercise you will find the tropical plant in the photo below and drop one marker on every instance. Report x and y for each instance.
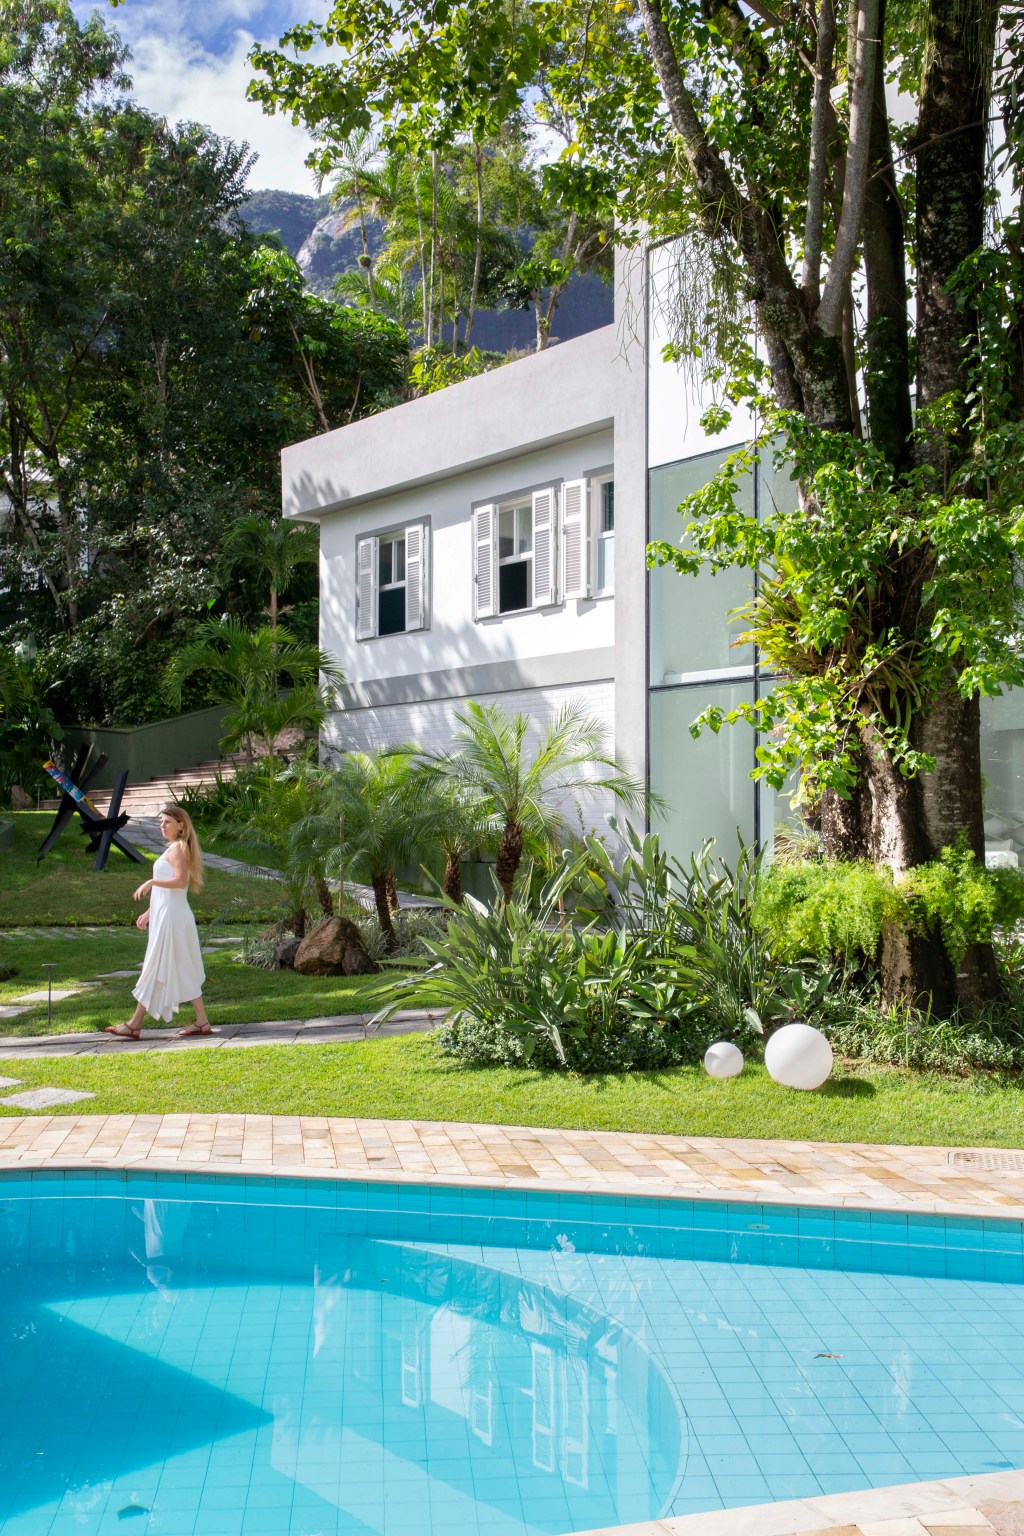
(452, 822)
(531, 792)
(374, 799)
(247, 670)
(274, 548)
(519, 988)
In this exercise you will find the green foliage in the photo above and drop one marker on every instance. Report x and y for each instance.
(433, 369)
(827, 908)
(521, 990)
(247, 671)
(28, 730)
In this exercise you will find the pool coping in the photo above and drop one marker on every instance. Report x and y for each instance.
(843, 1175)
(918, 1181)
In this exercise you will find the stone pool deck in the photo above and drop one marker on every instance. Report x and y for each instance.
(952, 1181)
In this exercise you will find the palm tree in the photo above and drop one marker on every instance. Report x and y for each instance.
(247, 669)
(269, 820)
(377, 799)
(274, 547)
(453, 822)
(494, 771)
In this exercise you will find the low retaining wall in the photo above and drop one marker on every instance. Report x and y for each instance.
(150, 751)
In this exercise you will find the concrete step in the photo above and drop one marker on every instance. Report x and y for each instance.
(150, 797)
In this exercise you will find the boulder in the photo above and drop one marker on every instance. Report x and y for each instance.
(335, 947)
(20, 800)
(285, 951)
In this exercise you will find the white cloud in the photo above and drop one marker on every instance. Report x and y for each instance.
(189, 64)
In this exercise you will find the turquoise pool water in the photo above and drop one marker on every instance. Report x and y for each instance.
(190, 1356)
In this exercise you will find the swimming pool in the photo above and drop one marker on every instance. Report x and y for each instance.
(216, 1356)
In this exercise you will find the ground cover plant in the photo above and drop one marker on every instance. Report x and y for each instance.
(64, 888)
(409, 1078)
(235, 993)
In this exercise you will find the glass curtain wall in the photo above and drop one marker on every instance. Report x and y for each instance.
(695, 661)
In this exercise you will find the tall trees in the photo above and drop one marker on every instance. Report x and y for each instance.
(825, 174)
(154, 359)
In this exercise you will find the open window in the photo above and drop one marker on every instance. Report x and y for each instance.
(588, 536)
(514, 554)
(391, 573)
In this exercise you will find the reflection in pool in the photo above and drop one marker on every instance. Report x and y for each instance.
(232, 1357)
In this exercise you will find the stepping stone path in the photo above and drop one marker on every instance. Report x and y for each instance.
(40, 1098)
(45, 1098)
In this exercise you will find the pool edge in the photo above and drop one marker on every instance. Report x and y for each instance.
(901, 1501)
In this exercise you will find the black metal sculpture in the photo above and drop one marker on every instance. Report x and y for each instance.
(102, 831)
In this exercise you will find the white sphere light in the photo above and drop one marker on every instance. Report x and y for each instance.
(723, 1059)
(798, 1056)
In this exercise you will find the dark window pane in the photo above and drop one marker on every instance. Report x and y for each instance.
(608, 506)
(391, 612)
(513, 586)
(386, 563)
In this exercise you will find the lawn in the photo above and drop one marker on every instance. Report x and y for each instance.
(64, 888)
(235, 994)
(406, 1077)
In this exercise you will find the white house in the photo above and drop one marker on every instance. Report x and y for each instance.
(489, 542)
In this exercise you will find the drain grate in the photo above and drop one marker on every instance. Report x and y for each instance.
(991, 1162)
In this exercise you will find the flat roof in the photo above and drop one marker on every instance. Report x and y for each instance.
(549, 397)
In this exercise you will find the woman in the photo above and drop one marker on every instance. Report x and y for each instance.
(172, 972)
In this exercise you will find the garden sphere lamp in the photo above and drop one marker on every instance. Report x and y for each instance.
(723, 1059)
(798, 1056)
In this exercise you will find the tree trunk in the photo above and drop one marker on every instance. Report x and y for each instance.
(510, 856)
(392, 890)
(298, 922)
(453, 878)
(324, 897)
(383, 905)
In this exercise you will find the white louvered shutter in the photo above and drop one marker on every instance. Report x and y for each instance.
(415, 575)
(544, 589)
(484, 562)
(575, 544)
(366, 579)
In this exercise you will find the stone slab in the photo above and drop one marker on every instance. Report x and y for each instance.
(45, 1098)
(116, 975)
(9, 1082)
(58, 995)
(9, 1011)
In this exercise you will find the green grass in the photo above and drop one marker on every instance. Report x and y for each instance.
(406, 1077)
(235, 994)
(64, 888)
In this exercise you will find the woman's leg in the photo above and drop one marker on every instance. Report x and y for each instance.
(200, 1008)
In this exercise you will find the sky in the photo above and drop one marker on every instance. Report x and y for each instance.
(189, 64)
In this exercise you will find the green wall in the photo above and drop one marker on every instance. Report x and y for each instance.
(150, 751)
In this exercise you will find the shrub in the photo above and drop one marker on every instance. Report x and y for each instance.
(827, 908)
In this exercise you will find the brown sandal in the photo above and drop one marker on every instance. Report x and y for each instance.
(122, 1032)
(193, 1029)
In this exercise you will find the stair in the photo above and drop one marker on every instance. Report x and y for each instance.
(149, 798)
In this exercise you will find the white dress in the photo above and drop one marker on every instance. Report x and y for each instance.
(172, 972)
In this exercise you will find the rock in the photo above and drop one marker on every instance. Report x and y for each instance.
(285, 951)
(20, 801)
(335, 947)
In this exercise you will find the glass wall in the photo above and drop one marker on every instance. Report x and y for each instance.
(694, 662)
(691, 633)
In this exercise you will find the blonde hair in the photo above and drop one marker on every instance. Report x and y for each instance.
(189, 841)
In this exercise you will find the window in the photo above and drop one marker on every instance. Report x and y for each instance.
(602, 514)
(588, 536)
(391, 585)
(514, 554)
(391, 582)
(515, 557)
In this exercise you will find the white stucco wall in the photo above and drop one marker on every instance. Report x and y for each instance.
(676, 400)
(455, 639)
(431, 724)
